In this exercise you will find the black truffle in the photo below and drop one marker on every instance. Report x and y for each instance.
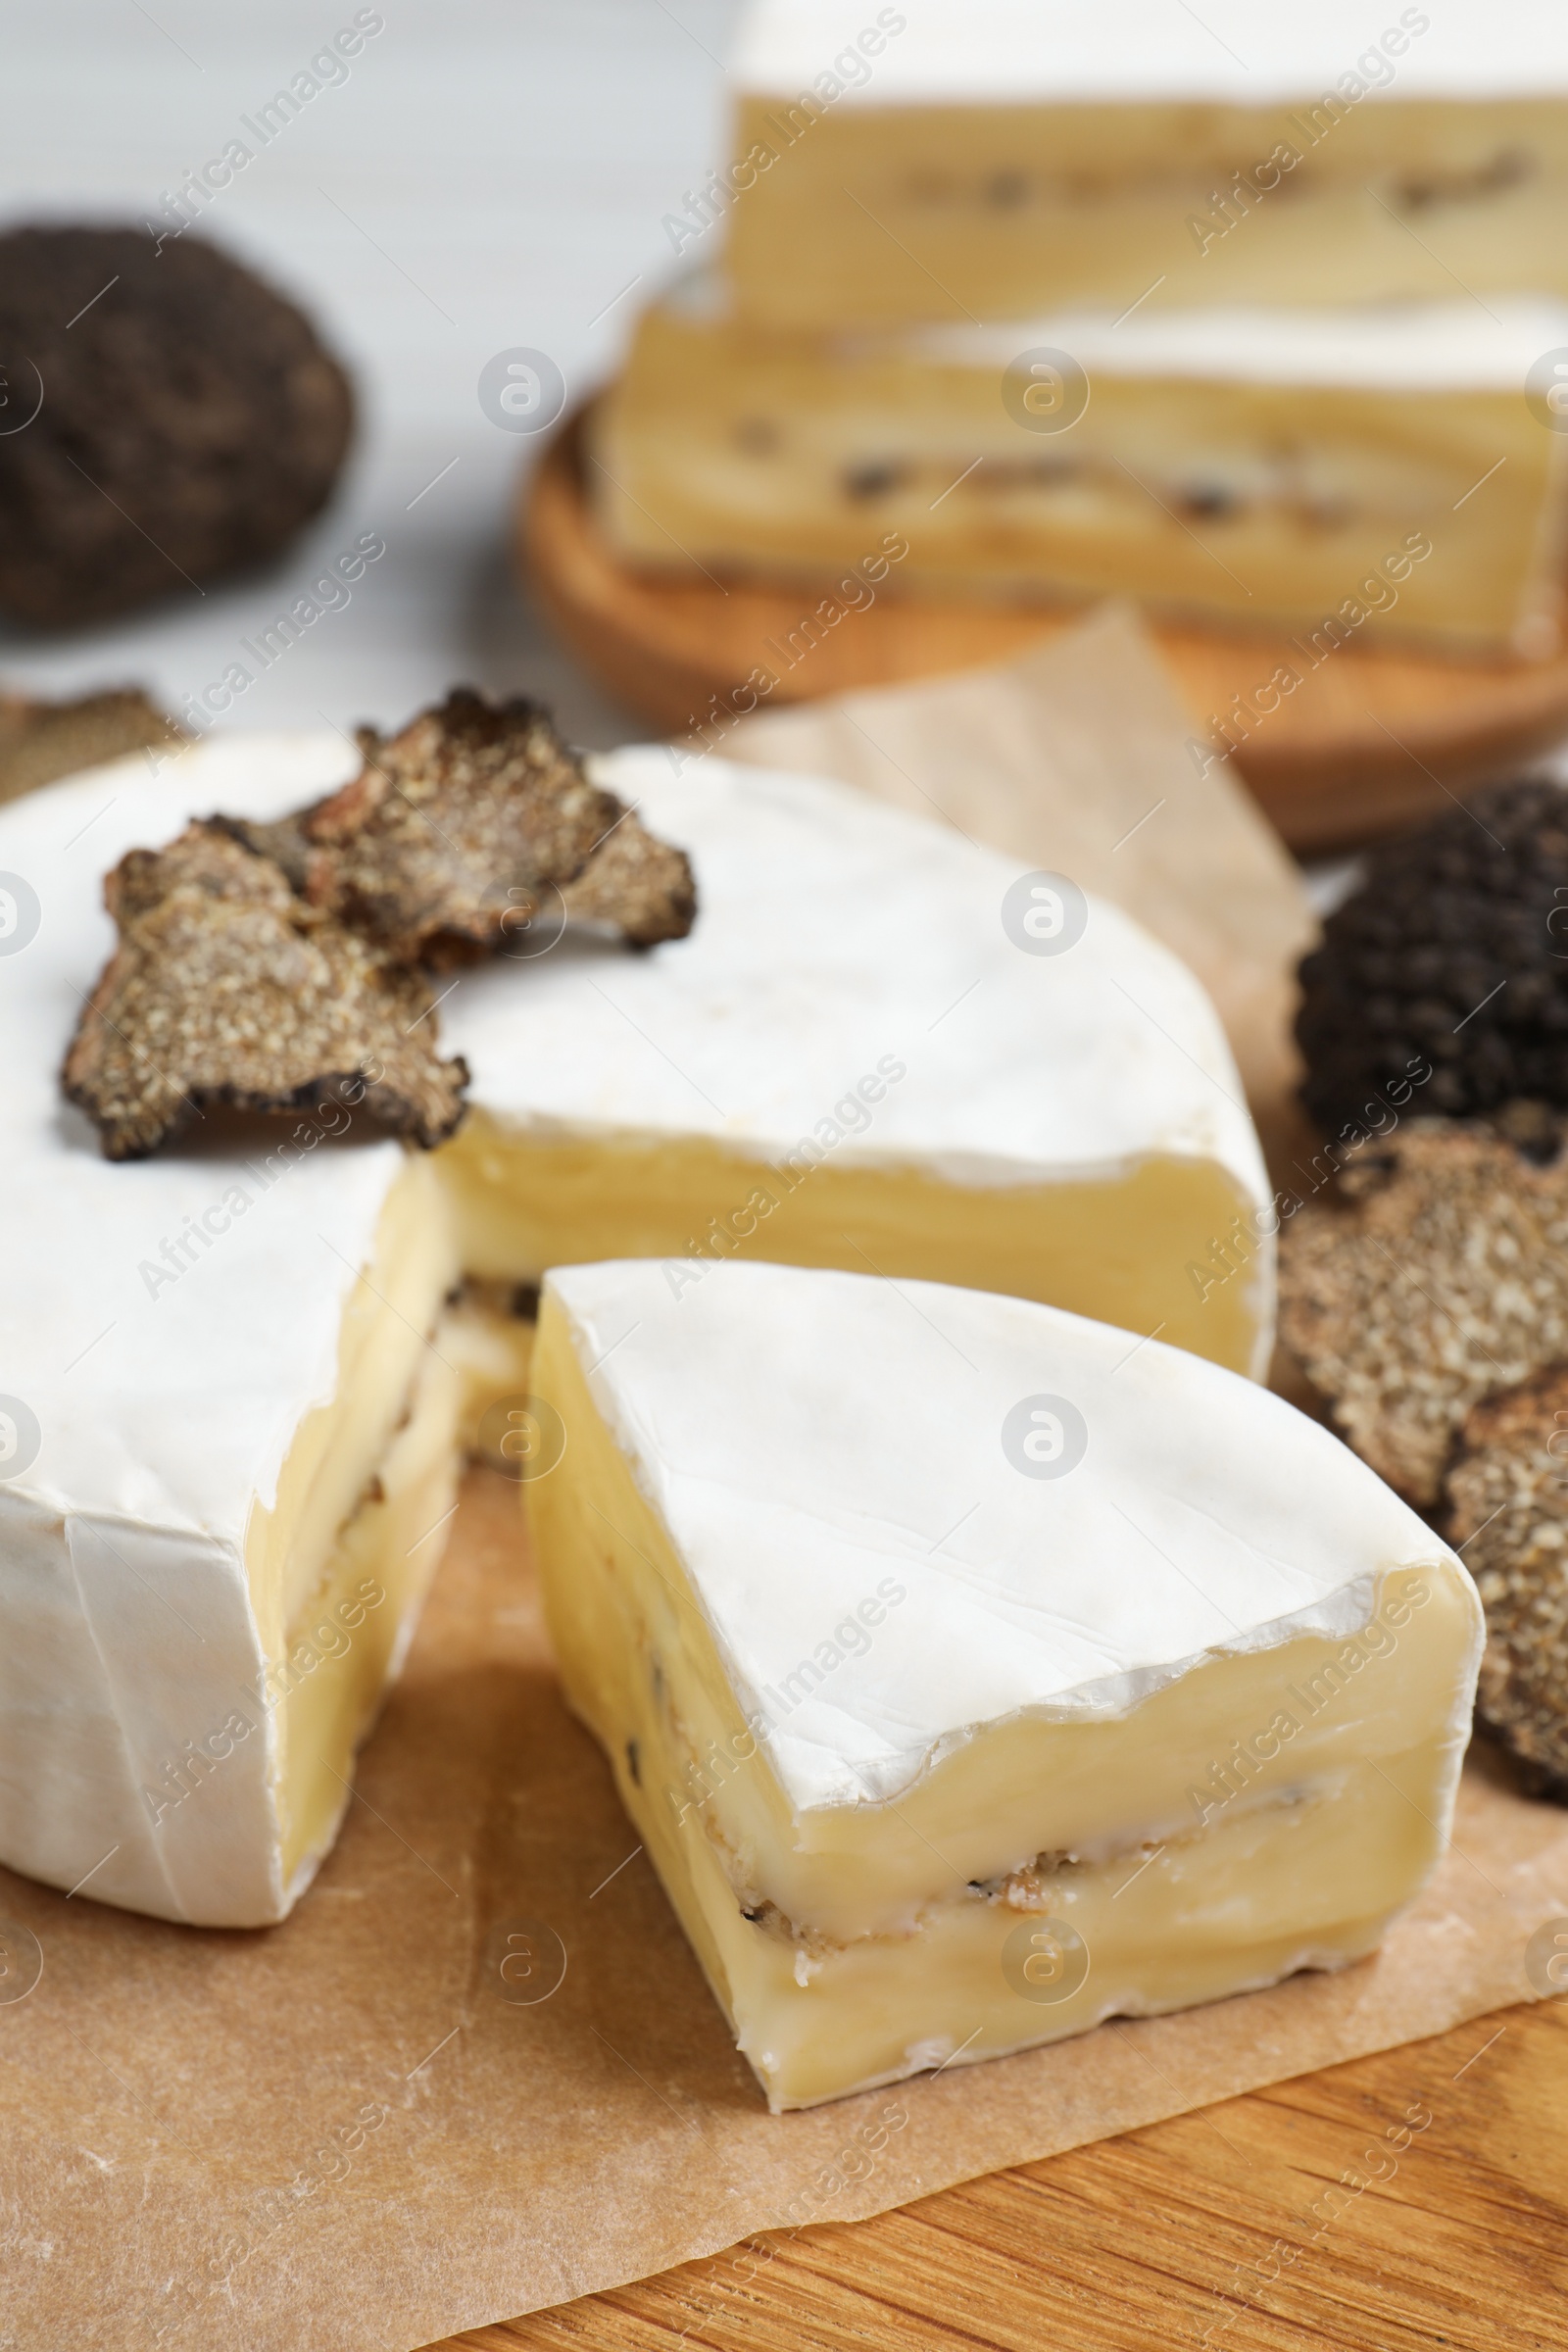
(1453, 955)
(1432, 1272)
(227, 988)
(457, 828)
(188, 420)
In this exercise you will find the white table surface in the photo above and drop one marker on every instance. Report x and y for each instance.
(493, 174)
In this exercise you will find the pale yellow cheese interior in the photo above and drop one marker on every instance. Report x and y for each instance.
(488, 1335)
(947, 210)
(1118, 1248)
(368, 1475)
(851, 1943)
(345, 1642)
(1267, 502)
(387, 1323)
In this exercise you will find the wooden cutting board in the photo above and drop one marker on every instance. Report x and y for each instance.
(1198, 2231)
(1374, 738)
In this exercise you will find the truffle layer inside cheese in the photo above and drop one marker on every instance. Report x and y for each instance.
(884, 1706)
(1265, 464)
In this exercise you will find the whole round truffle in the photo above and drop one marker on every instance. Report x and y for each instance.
(1451, 955)
(188, 420)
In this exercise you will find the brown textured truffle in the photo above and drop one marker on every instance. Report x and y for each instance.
(638, 883)
(228, 988)
(1437, 1275)
(454, 831)
(1508, 1510)
(42, 741)
(189, 420)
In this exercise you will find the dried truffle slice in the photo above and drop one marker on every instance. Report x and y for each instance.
(227, 988)
(455, 829)
(1508, 1497)
(637, 882)
(1437, 1274)
(282, 840)
(1452, 953)
(41, 741)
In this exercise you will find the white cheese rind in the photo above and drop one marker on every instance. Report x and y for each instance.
(1448, 345)
(121, 1642)
(781, 1426)
(1416, 347)
(1239, 52)
(833, 931)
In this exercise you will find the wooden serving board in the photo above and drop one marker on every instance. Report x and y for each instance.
(1372, 739)
(1197, 2232)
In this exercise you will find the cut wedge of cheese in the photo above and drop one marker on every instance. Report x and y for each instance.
(971, 1675)
(879, 1048)
(1343, 472)
(229, 1402)
(947, 158)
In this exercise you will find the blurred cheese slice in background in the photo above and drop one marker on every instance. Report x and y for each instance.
(1386, 469)
(971, 1677)
(953, 159)
(232, 1391)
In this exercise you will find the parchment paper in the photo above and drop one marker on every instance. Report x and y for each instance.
(358, 2131)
